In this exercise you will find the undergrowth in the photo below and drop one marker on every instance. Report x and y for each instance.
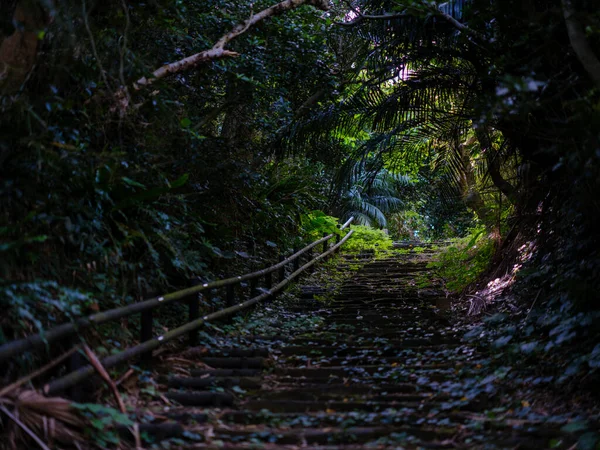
(464, 260)
(367, 238)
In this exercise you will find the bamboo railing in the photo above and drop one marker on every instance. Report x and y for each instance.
(148, 341)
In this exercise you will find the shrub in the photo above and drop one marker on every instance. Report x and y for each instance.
(367, 238)
(317, 223)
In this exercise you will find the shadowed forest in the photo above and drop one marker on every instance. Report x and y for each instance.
(152, 146)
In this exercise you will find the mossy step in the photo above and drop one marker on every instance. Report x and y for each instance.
(385, 350)
(227, 352)
(288, 406)
(343, 395)
(330, 435)
(374, 340)
(331, 418)
(235, 362)
(206, 382)
(361, 361)
(328, 371)
(325, 384)
(215, 373)
(207, 399)
(396, 323)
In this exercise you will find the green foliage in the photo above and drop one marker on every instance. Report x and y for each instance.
(102, 421)
(98, 206)
(370, 197)
(408, 225)
(316, 223)
(367, 238)
(39, 303)
(465, 260)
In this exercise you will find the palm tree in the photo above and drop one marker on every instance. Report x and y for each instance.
(418, 83)
(370, 197)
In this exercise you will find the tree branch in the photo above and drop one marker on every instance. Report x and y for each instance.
(218, 50)
(493, 166)
(431, 8)
(360, 17)
(459, 25)
(580, 44)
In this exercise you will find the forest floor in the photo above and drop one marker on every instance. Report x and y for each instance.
(365, 354)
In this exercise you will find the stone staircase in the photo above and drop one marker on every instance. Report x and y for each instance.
(385, 369)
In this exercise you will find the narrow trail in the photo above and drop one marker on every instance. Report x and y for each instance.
(384, 369)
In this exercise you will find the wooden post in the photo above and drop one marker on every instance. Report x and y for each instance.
(76, 362)
(230, 296)
(325, 246)
(297, 260)
(146, 333)
(253, 287)
(281, 269)
(269, 280)
(269, 284)
(309, 256)
(193, 314)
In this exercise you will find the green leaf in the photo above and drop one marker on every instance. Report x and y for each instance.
(134, 183)
(185, 122)
(588, 441)
(574, 427)
(555, 443)
(238, 389)
(180, 181)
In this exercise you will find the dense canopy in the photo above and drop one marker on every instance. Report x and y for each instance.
(147, 143)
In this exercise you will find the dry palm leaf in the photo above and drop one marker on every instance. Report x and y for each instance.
(50, 418)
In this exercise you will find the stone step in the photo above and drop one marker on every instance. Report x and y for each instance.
(347, 339)
(235, 362)
(207, 382)
(359, 361)
(320, 395)
(446, 370)
(228, 352)
(330, 435)
(210, 399)
(341, 406)
(225, 372)
(382, 369)
(340, 351)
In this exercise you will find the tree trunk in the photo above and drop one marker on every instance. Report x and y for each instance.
(493, 165)
(470, 194)
(7, 13)
(579, 42)
(18, 51)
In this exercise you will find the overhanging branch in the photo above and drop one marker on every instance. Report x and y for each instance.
(218, 51)
(424, 6)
